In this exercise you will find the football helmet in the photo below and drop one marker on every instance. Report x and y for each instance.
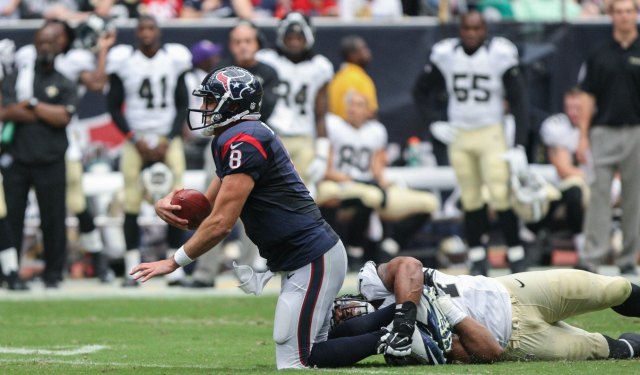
(295, 22)
(238, 96)
(531, 196)
(89, 31)
(349, 306)
(157, 181)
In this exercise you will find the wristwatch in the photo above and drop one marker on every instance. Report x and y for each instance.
(33, 102)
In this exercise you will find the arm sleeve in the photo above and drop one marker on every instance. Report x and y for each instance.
(429, 92)
(517, 98)
(181, 102)
(115, 99)
(270, 98)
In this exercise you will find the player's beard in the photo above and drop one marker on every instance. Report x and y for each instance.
(46, 60)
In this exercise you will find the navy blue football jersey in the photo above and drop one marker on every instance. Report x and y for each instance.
(280, 216)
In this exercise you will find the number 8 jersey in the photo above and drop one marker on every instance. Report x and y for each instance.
(475, 81)
(149, 84)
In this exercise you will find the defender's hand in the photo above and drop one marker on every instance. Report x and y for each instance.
(165, 209)
(395, 344)
(444, 132)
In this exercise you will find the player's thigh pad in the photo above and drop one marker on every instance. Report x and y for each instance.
(403, 202)
(130, 167)
(76, 201)
(467, 170)
(371, 196)
(302, 311)
(176, 161)
(495, 169)
(558, 341)
(563, 293)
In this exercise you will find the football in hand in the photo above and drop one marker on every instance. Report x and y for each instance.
(195, 206)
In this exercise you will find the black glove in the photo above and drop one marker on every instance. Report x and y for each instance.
(397, 342)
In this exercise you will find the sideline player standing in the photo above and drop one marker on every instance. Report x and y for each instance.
(479, 72)
(299, 114)
(150, 81)
(257, 182)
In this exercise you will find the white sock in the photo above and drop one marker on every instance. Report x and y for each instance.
(578, 243)
(515, 253)
(477, 254)
(131, 259)
(177, 274)
(92, 241)
(9, 260)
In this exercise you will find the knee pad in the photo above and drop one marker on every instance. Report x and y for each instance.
(286, 319)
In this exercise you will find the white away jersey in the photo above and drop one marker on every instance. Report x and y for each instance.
(294, 112)
(557, 131)
(482, 298)
(352, 148)
(149, 84)
(474, 82)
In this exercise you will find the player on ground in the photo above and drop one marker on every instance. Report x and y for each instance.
(479, 73)
(299, 114)
(256, 182)
(147, 88)
(514, 317)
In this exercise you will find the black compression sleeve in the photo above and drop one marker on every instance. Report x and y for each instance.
(115, 99)
(518, 106)
(181, 102)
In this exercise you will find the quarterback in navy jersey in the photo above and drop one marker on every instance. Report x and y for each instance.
(256, 182)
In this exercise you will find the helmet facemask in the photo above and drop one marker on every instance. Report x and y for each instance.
(349, 306)
(221, 104)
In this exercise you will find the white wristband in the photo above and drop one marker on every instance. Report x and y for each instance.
(181, 257)
(452, 312)
(322, 147)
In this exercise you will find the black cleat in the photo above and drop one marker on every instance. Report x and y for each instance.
(14, 282)
(201, 284)
(518, 266)
(51, 284)
(129, 283)
(634, 340)
(480, 267)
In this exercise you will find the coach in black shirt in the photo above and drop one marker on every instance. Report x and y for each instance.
(612, 134)
(40, 101)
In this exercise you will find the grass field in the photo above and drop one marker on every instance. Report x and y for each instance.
(208, 335)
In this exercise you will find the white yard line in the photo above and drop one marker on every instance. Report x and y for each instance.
(61, 352)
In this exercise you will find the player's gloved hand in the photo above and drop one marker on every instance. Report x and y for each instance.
(318, 167)
(397, 342)
(251, 281)
(443, 131)
(517, 159)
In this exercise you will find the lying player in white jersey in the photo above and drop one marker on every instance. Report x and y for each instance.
(513, 317)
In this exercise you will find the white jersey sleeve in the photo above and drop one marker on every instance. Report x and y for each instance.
(557, 131)
(117, 58)
(180, 55)
(25, 56)
(504, 54)
(73, 63)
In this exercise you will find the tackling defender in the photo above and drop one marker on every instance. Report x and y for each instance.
(514, 317)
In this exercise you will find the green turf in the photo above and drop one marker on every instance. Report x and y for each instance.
(212, 335)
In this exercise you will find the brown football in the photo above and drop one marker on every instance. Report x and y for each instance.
(195, 206)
